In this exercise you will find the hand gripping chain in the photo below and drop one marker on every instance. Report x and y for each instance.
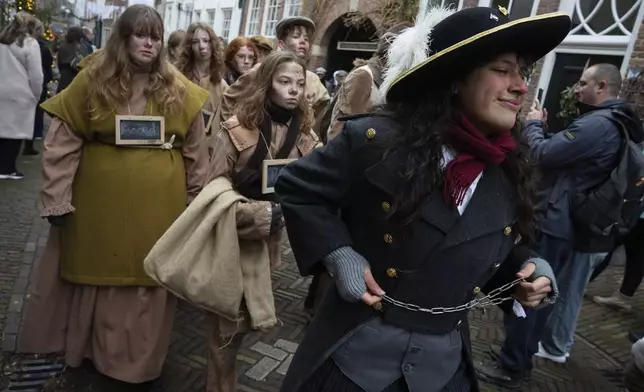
(482, 302)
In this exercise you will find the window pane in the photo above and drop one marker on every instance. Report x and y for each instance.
(292, 8)
(271, 18)
(521, 8)
(500, 3)
(225, 30)
(253, 19)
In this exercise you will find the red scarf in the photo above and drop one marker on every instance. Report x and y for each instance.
(475, 151)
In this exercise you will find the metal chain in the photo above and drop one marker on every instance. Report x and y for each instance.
(488, 300)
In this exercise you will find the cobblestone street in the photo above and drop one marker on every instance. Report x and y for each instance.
(601, 348)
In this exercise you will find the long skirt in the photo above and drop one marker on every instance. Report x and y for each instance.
(329, 378)
(124, 331)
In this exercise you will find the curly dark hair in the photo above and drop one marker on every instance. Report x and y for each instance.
(420, 139)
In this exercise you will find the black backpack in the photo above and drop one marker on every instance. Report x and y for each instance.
(603, 215)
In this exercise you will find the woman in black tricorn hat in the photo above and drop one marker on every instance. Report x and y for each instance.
(434, 201)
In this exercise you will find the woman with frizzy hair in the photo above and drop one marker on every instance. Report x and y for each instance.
(422, 210)
(109, 199)
(201, 61)
(241, 55)
(274, 123)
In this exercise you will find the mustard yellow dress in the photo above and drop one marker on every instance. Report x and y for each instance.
(91, 297)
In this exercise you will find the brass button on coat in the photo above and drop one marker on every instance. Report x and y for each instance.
(388, 238)
(371, 133)
(391, 272)
(507, 230)
(386, 207)
(377, 306)
(476, 291)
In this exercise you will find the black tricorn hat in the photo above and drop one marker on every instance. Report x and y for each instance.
(472, 35)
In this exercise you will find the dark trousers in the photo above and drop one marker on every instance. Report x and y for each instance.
(634, 271)
(522, 335)
(317, 290)
(9, 150)
(39, 122)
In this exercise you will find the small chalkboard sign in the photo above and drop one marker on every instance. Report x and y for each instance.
(207, 119)
(271, 169)
(140, 130)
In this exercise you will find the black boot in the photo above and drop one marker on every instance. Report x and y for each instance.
(29, 148)
(492, 372)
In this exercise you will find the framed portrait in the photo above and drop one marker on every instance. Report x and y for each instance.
(271, 169)
(140, 130)
(208, 117)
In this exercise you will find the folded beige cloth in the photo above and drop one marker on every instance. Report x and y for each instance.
(201, 260)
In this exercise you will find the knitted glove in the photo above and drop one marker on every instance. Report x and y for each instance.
(57, 221)
(348, 267)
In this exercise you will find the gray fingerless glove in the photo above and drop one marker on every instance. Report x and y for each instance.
(347, 266)
(543, 268)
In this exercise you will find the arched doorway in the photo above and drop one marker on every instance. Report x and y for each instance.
(346, 43)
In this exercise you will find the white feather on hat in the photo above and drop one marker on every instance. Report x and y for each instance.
(410, 47)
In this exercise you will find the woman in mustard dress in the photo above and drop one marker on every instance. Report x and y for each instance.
(109, 203)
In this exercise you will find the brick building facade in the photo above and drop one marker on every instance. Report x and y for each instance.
(603, 31)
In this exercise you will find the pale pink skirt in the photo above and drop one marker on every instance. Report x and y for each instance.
(124, 331)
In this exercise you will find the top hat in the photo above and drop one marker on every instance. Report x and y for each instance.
(293, 20)
(472, 35)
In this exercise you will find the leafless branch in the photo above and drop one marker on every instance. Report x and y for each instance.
(385, 14)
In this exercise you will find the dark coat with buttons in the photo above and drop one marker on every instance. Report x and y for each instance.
(439, 259)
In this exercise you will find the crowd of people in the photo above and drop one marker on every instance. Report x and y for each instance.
(407, 188)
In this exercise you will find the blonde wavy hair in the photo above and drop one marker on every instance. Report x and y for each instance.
(187, 56)
(250, 108)
(110, 74)
(22, 25)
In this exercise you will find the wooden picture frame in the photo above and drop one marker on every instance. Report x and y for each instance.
(140, 130)
(208, 118)
(270, 171)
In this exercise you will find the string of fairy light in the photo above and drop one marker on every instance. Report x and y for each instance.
(28, 6)
(25, 5)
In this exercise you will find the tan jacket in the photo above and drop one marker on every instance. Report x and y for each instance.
(316, 94)
(232, 149)
(359, 94)
(213, 104)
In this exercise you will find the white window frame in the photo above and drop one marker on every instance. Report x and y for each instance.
(211, 12)
(197, 16)
(226, 23)
(591, 45)
(271, 17)
(293, 5)
(253, 18)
